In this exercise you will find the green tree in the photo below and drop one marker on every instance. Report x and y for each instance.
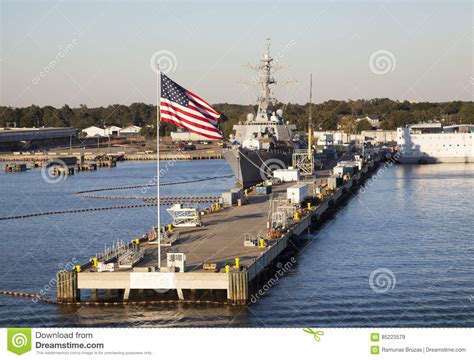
(466, 113)
(399, 118)
(348, 124)
(363, 125)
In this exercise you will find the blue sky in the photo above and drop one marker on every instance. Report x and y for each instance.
(98, 53)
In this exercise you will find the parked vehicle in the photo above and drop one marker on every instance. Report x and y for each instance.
(189, 146)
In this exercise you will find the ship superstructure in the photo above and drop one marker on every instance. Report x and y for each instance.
(264, 142)
(432, 143)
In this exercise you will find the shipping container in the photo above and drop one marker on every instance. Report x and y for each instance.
(264, 190)
(297, 193)
(287, 175)
(231, 197)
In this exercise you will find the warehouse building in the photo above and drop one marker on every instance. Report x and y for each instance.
(12, 139)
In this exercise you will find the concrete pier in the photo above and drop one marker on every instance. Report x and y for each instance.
(216, 256)
(40, 158)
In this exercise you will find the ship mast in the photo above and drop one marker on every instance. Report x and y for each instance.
(266, 79)
(310, 120)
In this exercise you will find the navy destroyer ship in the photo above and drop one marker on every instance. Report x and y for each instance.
(264, 142)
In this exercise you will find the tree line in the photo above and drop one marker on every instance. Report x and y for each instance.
(328, 115)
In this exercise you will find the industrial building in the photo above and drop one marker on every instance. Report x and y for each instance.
(12, 139)
(177, 136)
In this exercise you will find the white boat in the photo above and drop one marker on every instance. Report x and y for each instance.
(433, 143)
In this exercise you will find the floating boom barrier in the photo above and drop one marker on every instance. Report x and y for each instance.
(151, 202)
(144, 186)
(43, 299)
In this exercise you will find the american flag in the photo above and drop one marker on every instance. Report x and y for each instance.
(186, 110)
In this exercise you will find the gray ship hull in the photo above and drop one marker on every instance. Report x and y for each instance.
(251, 167)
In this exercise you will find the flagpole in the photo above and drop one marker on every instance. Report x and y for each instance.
(158, 236)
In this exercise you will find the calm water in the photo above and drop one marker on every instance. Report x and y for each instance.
(412, 230)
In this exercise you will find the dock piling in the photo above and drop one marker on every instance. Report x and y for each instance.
(67, 286)
(238, 292)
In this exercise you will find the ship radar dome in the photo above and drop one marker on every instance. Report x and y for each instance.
(280, 112)
(250, 117)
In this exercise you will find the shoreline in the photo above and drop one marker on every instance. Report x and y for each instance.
(137, 156)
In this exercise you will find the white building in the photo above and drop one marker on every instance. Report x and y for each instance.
(373, 121)
(187, 136)
(379, 136)
(131, 130)
(340, 138)
(325, 139)
(112, 130)
(93, 131)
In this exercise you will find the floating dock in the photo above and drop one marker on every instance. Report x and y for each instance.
(173, 156)
(14, 167)
(212, 258)
(37, 159)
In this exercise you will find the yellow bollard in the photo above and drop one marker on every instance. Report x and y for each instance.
(297, 215)
(94, 262)
(170, 228)
(262, 243)
(309, 206)
(227, 269)
(217, 206)
(78, 268)
(237, 263)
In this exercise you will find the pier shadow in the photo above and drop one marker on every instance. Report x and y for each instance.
(250, 216)
(198, 314)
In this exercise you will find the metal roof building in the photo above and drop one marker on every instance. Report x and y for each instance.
(14, 137)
